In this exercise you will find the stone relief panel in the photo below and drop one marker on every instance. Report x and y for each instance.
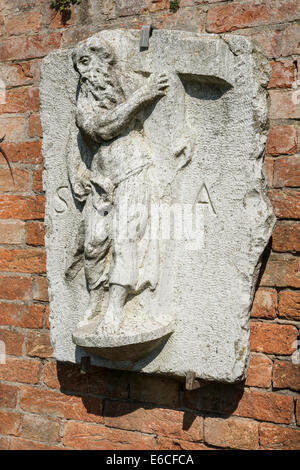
(156, 206)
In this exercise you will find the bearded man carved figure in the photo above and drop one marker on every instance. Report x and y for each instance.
(118, 180)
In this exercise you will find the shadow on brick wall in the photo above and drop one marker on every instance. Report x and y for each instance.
(126, 393)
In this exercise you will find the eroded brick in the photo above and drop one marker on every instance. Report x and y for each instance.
(279, 437)
(272, 338)
(231, 433)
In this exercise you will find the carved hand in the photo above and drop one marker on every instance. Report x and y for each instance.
(157, 85)
(82, 187)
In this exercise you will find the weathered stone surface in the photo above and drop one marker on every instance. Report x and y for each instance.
(205, 135)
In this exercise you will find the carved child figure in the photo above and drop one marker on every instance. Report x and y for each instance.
(117, 186)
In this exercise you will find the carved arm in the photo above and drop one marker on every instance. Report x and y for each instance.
(110, 124)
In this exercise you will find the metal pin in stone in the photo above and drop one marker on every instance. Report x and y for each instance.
(145, 36)
(191, 383)
(85, 364)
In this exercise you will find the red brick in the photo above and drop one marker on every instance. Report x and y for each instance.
(265, 303)
(13, 181)
(287, 172)
(286, 237)
(40, 289)
(17, 443)
(164, 443)
(290, 40)
(38, 344)
(34, 126)
(13, 342)
(214, 397)
(29, 47)
(90, 437)
(189, 19)
(71, 36)
(152, 420)
(265, 406)
(55, 19)
(21, 207)
(16, 74)
(47, 319)
(282, 140)
(298, 69)
(108, 383)
(13, 127)
(41, 428)
(4, 443)
(35, 70)
(232, 433)
(129, 7)
(289, 304)
(285, 104)
(156, 5)
(234, 16)
(269, 39)
(153, 389)
(13, 5)
(15, 288)
(46, 402)
(282, 74)
(268, 168)
(279, 437)
(25, 22)
(9, 423)
(260, 372)
(50, 375)
(286, 375)
(35, 233)
(23, 261)
(25, 152)
(272, 338)
(286, 203)
(37, 184)
(24, 316)
(1, 26)
(298, 411)
(20, 100)
(20, 370)
(8, 396)
(282, 271)
(12, 232)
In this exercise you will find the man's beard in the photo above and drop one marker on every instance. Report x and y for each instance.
(105, 91)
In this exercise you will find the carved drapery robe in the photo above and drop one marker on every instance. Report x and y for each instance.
(118, 192)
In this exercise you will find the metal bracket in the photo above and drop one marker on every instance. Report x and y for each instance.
(191, 383)
(145, 36)
(85, 364)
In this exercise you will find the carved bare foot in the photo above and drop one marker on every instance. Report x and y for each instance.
(115, 311)
(112, 320)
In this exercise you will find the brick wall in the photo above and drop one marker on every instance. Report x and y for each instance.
(45, 405)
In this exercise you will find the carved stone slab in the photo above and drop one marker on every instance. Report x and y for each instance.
(176, 132)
